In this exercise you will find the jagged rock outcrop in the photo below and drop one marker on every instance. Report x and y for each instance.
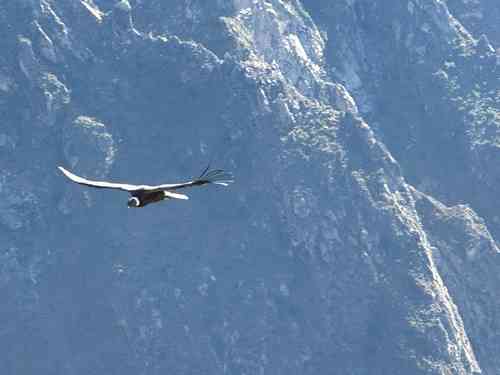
(359, 238)
(480, 17)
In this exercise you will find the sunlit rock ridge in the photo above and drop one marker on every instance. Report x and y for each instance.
(359, 237)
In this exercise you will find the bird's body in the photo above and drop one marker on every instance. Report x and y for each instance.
(145, 198)
(142, 195)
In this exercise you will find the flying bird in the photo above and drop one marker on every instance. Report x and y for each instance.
(142, 195)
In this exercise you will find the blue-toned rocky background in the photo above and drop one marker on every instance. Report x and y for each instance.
(360, 237)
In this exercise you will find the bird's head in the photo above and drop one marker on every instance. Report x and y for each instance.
(133, 202)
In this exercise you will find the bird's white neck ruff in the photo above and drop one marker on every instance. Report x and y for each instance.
(134, 202)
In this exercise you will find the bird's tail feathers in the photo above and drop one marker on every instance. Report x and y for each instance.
(215, 176)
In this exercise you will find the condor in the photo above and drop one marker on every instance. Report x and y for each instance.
(142, 195)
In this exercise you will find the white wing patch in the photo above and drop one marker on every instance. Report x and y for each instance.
(169, 194)
(99, 184)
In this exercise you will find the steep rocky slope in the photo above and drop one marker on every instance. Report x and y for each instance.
(359, 238)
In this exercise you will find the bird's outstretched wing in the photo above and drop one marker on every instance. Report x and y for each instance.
(208, 176)
(100, 184)
(215, 176)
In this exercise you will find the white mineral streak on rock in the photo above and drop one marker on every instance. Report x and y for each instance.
(484, 45)
(296, 46)
(46, 45)
(61, 30)
(263, 101)
(459, 348)
(93, 9)
(443, 18)
(344, 100)
(122, 19)
(450, 322)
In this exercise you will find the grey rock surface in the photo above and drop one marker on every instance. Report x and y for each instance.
(359, 237)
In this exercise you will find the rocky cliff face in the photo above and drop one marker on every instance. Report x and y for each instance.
(359, 238)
